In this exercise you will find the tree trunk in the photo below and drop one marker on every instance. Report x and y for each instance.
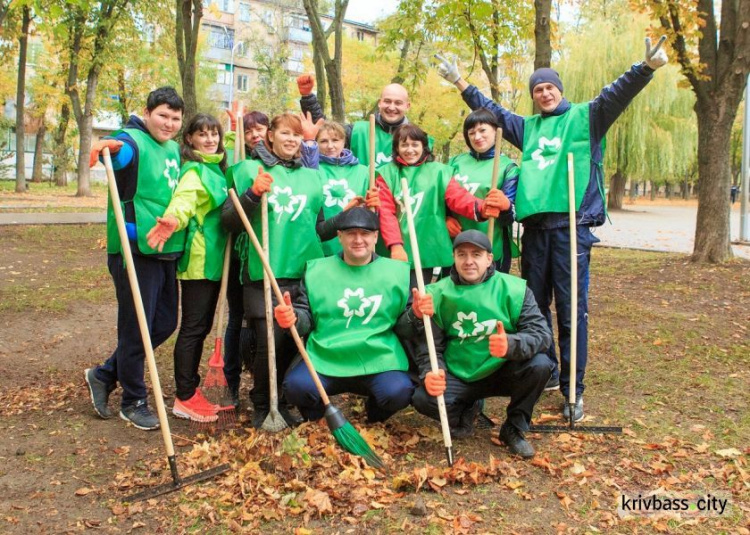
(122, 95)
(633, 189)
(543, 46)
(23, 42)
(36, 175)
(85, 124)
(188, 22)
(60, 150)
(616, 191)
(712, 224)
(320, 75)
(668, 191)
(654, 191)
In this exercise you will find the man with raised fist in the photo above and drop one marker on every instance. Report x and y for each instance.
(490, 340)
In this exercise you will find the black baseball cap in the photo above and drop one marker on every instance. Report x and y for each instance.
(474, 237)
(357, 217)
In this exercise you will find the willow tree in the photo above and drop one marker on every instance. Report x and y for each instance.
(655, 138)
(714, 57)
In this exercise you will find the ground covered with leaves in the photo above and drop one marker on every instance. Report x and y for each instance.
(670, 363)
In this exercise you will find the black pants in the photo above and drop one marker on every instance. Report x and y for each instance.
(286, 349)
(158, 284)
(522, 381)
(198, 301)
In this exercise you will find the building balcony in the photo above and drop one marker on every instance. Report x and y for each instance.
(297, 35)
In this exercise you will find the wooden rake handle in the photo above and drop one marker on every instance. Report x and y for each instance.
(277, 292)
(495, 175)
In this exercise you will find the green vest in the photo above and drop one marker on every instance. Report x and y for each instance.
(158, 175)
(543, 180)
(359, 143)
(354, 310)
(476, 176)
(341, 183)
(468, 315)
(427, 185)
(294, 203)
(207, 238)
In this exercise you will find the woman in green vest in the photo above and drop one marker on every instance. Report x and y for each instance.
(473, 170)
(196, 205)
(295, 219)
(345, 181)
(432, 189)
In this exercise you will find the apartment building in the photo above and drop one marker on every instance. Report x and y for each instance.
(242, 34)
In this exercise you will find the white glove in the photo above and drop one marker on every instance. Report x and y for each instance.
(655, 57)
(447, 69)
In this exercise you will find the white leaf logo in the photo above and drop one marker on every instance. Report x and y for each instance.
(355, 303)
(416, 202)
(471, 187)
(172, 177)
(468, 326)
(337, 193)
(539, 154)
(284, 201)
(382, 158)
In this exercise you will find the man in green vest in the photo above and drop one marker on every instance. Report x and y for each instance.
(392, 107)
(352, 307)
(490, 340)
(541, 201)
(147, 165)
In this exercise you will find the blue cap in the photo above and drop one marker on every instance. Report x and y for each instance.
(545, 75)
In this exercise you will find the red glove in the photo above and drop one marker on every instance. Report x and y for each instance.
(262, 183)
(372, 199)
(233, 119)
(454, 227)
(305, 84)
(399, 253)
(499, 341)
(434, 383)
(112, 144)
(422, 304)
(161, 232)
(284, 314)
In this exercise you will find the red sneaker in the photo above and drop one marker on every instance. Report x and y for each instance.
(196, 409)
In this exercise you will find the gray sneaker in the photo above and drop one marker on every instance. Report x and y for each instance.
(578, 410)
(140, 416)
(99, 394)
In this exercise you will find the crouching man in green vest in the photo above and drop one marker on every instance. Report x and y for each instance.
(490, 339)
(352, 307)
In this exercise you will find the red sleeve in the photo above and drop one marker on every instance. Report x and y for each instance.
(460, 201)
(390, 230)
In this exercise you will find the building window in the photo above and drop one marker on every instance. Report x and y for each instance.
(297, 54)
(227, 6)
(244, 12)
(223, 74)
(268, 17)
(242, 80)
(219, 37)
(360, 35)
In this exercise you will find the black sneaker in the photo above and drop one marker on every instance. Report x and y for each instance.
(140, 416)
(99, 394)
(466, 421)
(578, 410)
(553, 383)
(291, 419)
(234, 397)
(514, 439)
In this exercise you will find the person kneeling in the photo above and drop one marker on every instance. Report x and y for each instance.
(490, 340)
(349, 305)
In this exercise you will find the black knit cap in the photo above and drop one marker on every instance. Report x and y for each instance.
(473, 237)
(358, 217)
(545, 75)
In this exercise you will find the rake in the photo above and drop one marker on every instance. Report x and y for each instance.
(177, 482)
(344, 432)
(573, 325)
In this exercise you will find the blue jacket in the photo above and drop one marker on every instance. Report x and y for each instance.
(603, 111)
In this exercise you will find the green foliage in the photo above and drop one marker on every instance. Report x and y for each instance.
(271, 93)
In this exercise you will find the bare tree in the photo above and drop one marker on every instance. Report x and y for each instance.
(188, 23)
(23, 46)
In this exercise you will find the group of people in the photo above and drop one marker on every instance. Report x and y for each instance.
(341, 252)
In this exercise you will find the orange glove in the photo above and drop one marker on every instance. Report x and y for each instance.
(233, 119)
(399, 253)
(454, 227)
(284, 314)
(112, 144)
(161, 232)
(262, 183)
(499, 342)
(305, 84)
(434, 383)
(494, 203)
(422, 304)
(372, 199)
(309, 129)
